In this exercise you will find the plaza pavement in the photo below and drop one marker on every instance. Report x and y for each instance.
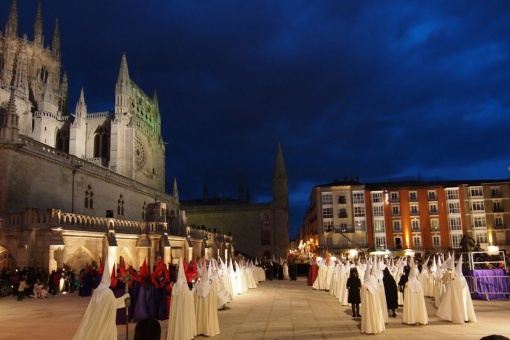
(274, 310)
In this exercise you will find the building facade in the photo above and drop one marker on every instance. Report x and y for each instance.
(260, 230)
(396, 217)
(75, 184)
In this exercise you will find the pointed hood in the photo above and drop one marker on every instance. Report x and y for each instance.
(181, 284)
(113, 277)
(451, 262)
(104, 287)
(204, 285)
(143, 272)
(413, 283)
(366, 277)
(101, 267)
(458, 268)
(370, 281)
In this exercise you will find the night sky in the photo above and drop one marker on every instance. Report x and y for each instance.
(383, 90)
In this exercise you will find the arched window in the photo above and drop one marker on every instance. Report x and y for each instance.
(89, 198)
(62, 142)
(101, 143)
(120, 206)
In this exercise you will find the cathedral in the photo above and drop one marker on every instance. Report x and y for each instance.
(77, 185)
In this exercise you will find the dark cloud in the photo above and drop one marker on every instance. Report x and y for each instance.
(377, 89)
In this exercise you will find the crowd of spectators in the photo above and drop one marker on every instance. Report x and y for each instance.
(29, 282)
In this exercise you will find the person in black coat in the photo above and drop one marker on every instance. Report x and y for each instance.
(403, 280)
(354, 286)
(390, 289)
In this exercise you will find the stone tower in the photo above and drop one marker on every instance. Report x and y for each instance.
(137, 150)
(281, 205)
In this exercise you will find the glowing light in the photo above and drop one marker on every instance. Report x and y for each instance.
(493, 250)
(409, 252)
(332, 258)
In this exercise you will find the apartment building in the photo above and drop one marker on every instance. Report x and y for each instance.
(412, 216)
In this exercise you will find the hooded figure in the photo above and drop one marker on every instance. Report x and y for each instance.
(415, 310)
(439, 288)
(353, 286)
(99, 319)
(206, 303)
(182, 321)
(390, 289)
(456, 305)
(372, 320)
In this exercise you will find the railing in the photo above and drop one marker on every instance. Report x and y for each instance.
(483, 255)
(489, 285)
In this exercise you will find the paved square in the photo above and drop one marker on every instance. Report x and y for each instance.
(275, 310)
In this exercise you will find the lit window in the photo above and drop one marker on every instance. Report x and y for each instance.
(477, 206)
(479, 222)
(378, 211)
(359, 211)
(415, 224)
(452, 194)
(455, 240)
(377, 197)
(414, 209)
(397, 226)
(327, 212)
(434, 224)
(432, 195)
(433, 208)
(379, 226)
(394, 196)
(380, 242)
(475, 192)
(417, 241)
(358, 197)
(481, 237)
(454, 208)
(436, 241)
(454, 223)
(327, 199)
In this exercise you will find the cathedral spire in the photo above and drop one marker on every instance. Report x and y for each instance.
(11, 29)
(9, 130)
(280, 180)
(81, 107)
(123, 79)
(21, 75)
(55, 46)
(38, 27)
(122, 88)
(176, 190)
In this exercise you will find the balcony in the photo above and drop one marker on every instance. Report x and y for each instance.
(499, 226)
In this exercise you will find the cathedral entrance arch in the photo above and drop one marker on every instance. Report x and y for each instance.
(7, 261)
